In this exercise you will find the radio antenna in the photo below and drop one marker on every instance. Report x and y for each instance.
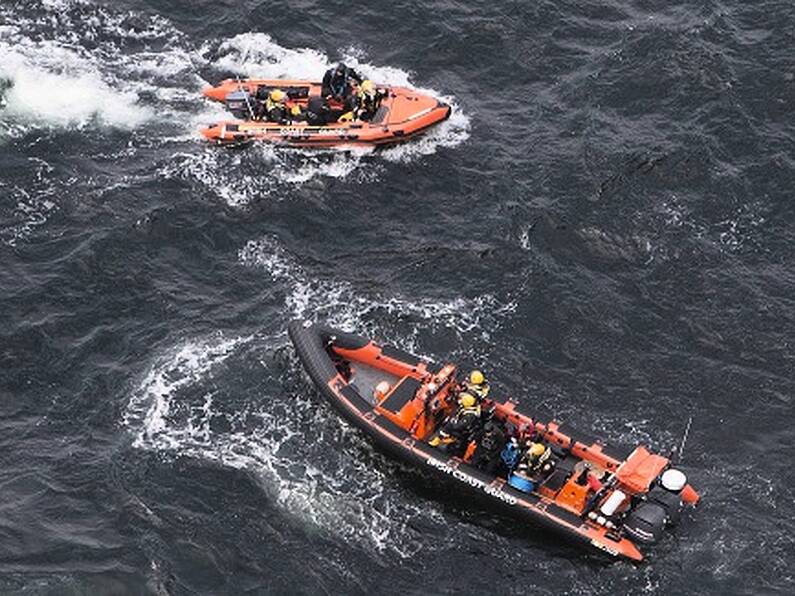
(245, 92)
(681, 450)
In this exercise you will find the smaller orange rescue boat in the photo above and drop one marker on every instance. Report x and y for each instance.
(403, 113)
(615, 499)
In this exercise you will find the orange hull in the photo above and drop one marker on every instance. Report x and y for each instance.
(346, 367)
(404, 114)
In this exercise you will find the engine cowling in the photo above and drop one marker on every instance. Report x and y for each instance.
(646, 522)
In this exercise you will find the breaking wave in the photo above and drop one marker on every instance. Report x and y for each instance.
(69, 64)
(67, 95)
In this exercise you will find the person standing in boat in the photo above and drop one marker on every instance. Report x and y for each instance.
(477, 385)
(338, 82)
(491, 443)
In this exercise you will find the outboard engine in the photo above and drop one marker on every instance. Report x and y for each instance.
(646, 522)
(663, 506)
(240, 104)
(671, 502)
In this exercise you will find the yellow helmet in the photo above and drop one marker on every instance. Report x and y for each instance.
(537, 449)
(477, 378)
(277, 95)
(367, 87)
(467, 400)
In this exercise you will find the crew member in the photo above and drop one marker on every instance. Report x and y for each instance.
(366, 101)
(318, 112)
(510, 455)
(490, 445)
(459, 429)
(477, 385)
(536, 458)
(338, 82)
(274, 108)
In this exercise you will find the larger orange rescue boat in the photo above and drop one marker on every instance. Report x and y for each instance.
(618, 500)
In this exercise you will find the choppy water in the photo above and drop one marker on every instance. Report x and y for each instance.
(605, 225)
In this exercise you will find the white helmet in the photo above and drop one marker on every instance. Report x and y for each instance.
(673, 480)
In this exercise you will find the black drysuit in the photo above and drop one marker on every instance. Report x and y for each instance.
(338, 83)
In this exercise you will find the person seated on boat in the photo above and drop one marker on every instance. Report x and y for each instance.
(516, 471)
(457, 431)
(338, 82)
(274, 108)
(489, 447)
(366, 101)
(318, 112)
(511, 454)
(361, 105)
(535, 459)
(477, 385)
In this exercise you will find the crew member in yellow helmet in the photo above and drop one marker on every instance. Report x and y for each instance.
(477, 385)
(456, 433)
(276, 108)
(366, 101)
(536, 458)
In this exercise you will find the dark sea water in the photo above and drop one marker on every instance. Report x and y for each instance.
(605, 225)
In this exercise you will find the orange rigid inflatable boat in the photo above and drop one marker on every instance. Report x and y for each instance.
(403, 113)
(610, 498)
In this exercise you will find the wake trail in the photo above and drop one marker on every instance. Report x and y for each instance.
(310, 465)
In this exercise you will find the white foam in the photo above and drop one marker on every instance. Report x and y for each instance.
(60, 4)
(450, 133)
(278, 438)
(256, 55)
(262, 171)
(64, 99)
(227, 174)
(329, 166)
(68, 67)
(58, 80)
(338, 303)
(150, 406)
